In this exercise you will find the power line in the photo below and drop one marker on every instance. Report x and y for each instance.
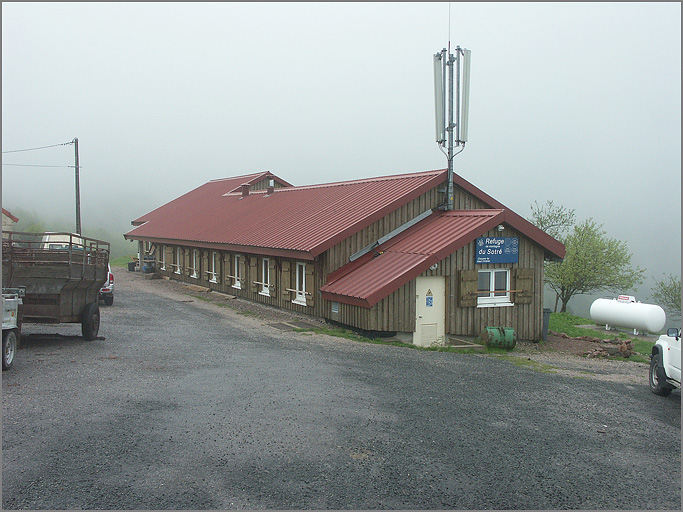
(36, 165)
(42, 147)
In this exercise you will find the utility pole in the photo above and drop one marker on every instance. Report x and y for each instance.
(78, 190)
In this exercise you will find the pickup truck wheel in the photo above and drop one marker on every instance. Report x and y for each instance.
(90, 323)
(9, 348)
(658, 384)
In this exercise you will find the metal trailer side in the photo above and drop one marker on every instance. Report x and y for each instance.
(62, 284)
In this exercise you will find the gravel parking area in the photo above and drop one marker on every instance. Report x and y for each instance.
(186, 404)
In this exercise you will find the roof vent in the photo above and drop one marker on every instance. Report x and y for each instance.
(245, 189)
(271, 187)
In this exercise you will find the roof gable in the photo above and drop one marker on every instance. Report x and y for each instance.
(554, 249)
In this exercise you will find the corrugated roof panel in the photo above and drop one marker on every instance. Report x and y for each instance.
(308, 218)
(408, 255)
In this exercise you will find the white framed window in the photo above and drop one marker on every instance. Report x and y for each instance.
(494, 288)
(195, 264)
(176, 261)
(265, 277)
(162, 263)
(214, 267)
(300, 288)
(236, 272)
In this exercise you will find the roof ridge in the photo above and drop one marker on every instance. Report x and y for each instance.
(242, 176)
(376, 179)
(388, 177)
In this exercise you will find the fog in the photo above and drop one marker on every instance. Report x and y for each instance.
(578, 103)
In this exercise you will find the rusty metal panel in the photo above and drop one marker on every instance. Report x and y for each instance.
(59, 282)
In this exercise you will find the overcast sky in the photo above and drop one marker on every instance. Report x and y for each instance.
(579, 103)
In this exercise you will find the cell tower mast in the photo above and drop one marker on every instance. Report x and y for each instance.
(451, 135)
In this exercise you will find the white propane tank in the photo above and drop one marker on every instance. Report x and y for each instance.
(633, 315)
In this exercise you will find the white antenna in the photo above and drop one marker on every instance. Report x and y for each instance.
(465, 98)
(439, 98)
(457, 132)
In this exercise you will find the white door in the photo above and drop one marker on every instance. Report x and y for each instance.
(430, 310)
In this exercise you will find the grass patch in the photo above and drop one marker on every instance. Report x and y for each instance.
(121, 261)
(643, 347)
(568, 324)
(528, 363)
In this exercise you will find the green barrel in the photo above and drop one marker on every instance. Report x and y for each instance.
(500, 337)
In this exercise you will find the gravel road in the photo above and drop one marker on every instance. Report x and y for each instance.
(183, 404)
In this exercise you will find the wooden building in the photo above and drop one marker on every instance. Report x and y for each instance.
(380, 255)
(8, 221)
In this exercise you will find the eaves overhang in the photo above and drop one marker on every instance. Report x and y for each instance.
(248, 249)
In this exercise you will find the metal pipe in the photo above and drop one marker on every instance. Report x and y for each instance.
(449, 185)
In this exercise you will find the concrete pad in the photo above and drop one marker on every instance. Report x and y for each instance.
(302, 325)
(197, 288)
(282, 326)
(224, 295)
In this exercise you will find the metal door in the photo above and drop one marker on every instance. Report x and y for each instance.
(430, 311)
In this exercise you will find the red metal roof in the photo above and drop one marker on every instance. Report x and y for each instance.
(370, 278)
(305, 220)
(14, 219)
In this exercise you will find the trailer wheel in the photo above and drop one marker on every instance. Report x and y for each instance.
(90, 323)
(9, 348)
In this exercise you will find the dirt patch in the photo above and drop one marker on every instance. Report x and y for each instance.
(566, 356)
(557, 343)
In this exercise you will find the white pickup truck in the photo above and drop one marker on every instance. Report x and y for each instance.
(665, 363)
(11, 299)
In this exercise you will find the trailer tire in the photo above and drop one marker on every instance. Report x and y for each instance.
(90, 322)
(9, 348)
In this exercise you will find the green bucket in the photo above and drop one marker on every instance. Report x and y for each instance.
(499, 337)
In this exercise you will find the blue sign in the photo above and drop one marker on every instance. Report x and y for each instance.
(497, 249)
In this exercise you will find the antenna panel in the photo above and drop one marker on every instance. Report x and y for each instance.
(465, 111)
(439, 110)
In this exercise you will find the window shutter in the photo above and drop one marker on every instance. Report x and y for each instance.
(524, 282)
(310, 288)
(468, 288)
(271, 277)
(243, 266)
(253, 274)
(204, 258)
(286, 280)
(227, 268)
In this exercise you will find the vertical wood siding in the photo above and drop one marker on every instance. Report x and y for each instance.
(395, 312)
